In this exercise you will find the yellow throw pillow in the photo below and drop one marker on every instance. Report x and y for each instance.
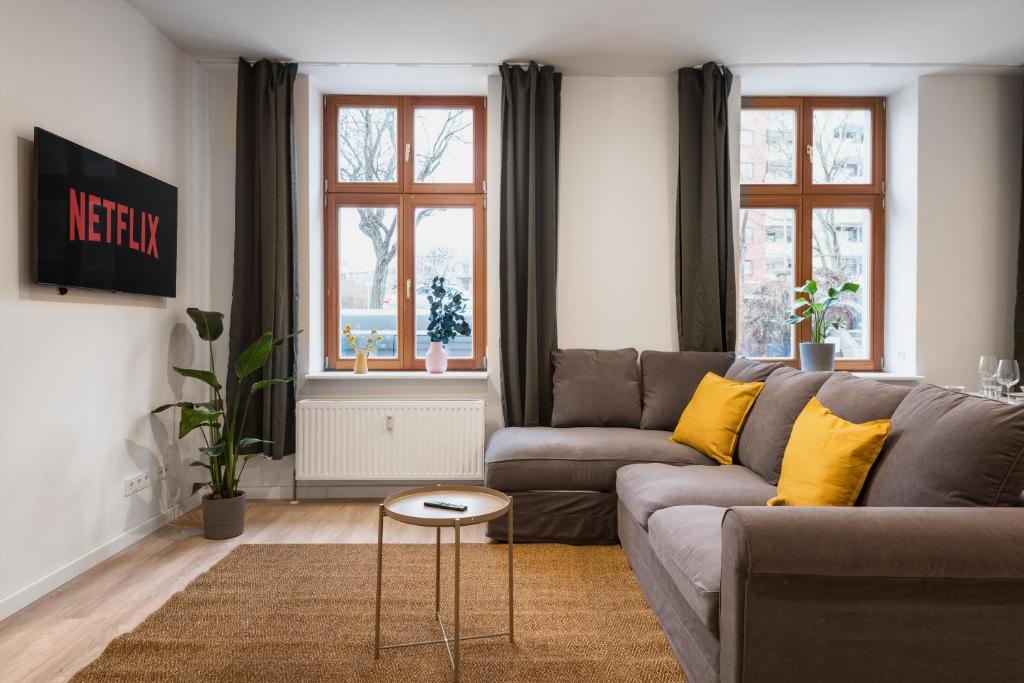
(712, 420)
(827, 458)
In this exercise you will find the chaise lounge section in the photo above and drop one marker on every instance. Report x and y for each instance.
(922, 580)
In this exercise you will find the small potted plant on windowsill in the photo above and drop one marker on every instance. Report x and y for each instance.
(226, 449)
(818, 354)
(447, 321)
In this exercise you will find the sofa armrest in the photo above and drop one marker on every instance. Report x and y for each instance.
(872, 593)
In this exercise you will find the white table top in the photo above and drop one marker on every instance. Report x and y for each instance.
(482, 504)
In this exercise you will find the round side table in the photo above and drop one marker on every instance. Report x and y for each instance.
(482, 505)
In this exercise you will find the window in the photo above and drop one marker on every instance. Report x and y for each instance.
(403, 203)
(812, 207)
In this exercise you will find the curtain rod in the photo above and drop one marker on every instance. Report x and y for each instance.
(880, 65)
(474, 65)
(736, 65)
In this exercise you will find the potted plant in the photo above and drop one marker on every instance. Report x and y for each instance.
(361, 365)
(226, 449)
(818, 354)
(447, 321)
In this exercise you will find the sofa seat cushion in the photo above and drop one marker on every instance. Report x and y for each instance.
(575, 458)
(648, 487)
(687, 541)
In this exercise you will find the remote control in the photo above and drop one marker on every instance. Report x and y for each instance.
(444, 505)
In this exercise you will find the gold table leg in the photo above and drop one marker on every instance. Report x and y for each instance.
(458, 571)
(511, 604)
(437, 576)
(380, 568)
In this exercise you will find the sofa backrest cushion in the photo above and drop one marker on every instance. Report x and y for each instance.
(766, 433)
(596, 388)
(668, 380)
(746, 370)
(949, 449)
(856, 399)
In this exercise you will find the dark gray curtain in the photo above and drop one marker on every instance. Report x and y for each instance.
(265, 293)
(705, 277)
(1018, 319)
(529, 240)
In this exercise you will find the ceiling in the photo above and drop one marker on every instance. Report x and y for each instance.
(606, 37)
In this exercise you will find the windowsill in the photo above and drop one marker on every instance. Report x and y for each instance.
(406, 375)
(889, 376)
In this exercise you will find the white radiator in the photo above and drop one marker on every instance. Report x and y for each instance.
(389, 440)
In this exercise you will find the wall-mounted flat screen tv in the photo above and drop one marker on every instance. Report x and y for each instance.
(100, 224)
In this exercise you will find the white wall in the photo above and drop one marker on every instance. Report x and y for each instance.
(616, 213)
(901, 233)
(80, 373)
(968, 177)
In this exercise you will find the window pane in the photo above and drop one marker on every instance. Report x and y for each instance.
(766, 284)
(367, 141)
(841, 253)
(842, 146)
(443, 142)
(368, 277)
(444, 248)
(768, 146)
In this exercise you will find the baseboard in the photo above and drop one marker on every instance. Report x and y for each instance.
(28, 594)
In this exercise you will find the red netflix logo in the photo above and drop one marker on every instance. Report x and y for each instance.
(84, 221)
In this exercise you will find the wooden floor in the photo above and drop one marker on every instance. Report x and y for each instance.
(57, 635)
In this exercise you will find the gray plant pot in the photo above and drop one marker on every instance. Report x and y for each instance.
(817, 357)
(223, 517)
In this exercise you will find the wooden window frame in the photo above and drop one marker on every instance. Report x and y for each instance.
(794, 202)
(796, 104)
(331, 105)
(411, 104)
(401, 196)
(805, 196)
(412, 202)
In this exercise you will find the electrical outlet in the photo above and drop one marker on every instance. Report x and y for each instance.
(160, 473)
(136, 483)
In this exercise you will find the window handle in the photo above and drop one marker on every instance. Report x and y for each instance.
(408, 288)
(408, 151)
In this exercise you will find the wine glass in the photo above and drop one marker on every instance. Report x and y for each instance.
(986, 372)
(1008, 374)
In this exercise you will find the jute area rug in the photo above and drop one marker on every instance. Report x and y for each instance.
(305, 613)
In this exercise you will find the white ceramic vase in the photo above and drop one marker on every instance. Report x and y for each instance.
(437, 359)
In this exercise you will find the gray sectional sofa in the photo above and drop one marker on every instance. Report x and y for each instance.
(922, 580)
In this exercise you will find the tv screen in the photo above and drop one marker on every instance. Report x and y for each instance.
(101, 224)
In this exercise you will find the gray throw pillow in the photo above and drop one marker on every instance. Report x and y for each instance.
(949, 449)
(746, 370)
(596, 388)
(766, 433)
(856, 399)
(669, 379)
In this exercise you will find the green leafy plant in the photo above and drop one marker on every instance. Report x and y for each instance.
(809, 307)
(447, 312)
(226, 447)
